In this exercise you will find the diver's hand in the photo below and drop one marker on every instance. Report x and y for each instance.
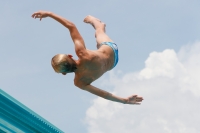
(41, 14)
(134, 99)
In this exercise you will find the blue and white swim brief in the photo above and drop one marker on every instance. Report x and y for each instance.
(115, 50)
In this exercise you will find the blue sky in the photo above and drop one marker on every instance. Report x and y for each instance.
(146, 32)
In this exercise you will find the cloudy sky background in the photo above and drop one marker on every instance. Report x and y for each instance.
(159, 44)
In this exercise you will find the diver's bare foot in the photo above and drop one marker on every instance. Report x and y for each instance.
(93, 21)
(90, 19)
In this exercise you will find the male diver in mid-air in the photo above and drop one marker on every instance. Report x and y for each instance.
(91, 64)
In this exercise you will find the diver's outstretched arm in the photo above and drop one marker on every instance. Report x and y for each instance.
(75, 35)
(134, 99)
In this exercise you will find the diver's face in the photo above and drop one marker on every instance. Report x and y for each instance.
(64, 69)
(67, 67)
(58, 70)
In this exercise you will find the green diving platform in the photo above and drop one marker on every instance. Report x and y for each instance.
(17, 118)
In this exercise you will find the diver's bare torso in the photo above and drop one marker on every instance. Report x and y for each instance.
(93, 65)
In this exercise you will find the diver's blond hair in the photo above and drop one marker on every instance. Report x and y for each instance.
(58, 60)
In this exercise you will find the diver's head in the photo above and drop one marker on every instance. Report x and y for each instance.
(63, 63)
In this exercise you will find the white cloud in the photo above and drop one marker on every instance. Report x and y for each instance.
(170, 86)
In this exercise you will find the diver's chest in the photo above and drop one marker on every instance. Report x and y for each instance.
(90, 76)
